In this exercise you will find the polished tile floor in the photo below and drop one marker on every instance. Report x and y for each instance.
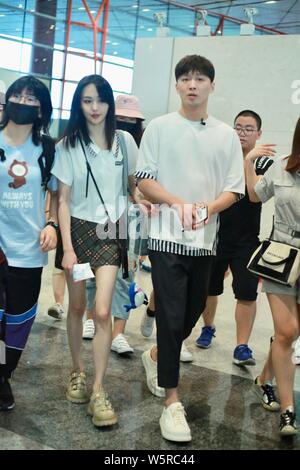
(223, 411)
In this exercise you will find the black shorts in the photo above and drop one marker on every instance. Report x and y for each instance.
(244, 284)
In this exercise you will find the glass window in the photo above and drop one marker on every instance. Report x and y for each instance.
(120, 78)
(77, 67)
(69, 90)
(56, 89)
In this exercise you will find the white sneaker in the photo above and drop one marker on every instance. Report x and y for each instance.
(151, 375)
(147, 324)
(56, 311)
(173, 424)
(296, 354)
(120, 345)
(185, 354)
(88, 329)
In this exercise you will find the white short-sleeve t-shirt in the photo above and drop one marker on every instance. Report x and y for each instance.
(196, 163)
(107, 167)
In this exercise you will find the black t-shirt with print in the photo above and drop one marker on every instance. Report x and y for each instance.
(240, 224)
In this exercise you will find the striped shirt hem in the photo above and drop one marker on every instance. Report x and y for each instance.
(178, 249)
(143, 175)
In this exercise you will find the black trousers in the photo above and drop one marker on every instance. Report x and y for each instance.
(19, 292)
(180, 288)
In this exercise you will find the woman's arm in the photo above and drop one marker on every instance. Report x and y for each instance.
(69, 258)
(48, 236)
(251, 176)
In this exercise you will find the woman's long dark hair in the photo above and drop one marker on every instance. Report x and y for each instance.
(77, 126)
(293, 163)
(40, 91)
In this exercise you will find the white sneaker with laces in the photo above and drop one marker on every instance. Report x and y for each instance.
(185, 354)
(88, 329)
(151, 375)
(56, 311)
(120, 345)
(147, 324)
(173, 424)
(296, 354)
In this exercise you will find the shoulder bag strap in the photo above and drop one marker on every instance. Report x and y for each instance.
(273, 227)
(89, 172)
(125, 162)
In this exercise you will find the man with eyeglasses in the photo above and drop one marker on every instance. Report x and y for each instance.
(237, 239)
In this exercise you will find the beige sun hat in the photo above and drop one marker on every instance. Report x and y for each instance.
(128, 106)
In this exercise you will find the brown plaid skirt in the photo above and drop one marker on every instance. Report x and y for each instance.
(88, 247)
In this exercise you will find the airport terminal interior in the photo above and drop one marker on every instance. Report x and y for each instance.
(59, 42)
(223, 410)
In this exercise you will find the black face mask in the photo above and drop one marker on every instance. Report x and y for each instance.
(21, 113)
(126, 126)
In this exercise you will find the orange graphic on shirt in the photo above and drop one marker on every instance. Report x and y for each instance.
(18, 171)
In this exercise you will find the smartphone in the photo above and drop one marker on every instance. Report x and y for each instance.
(202, 214)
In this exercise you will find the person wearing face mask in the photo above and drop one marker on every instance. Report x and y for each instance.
(25, 237)
(128, 118)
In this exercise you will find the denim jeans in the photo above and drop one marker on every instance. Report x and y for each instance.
(120, 296)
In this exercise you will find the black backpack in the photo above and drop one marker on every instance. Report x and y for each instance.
(46, 159)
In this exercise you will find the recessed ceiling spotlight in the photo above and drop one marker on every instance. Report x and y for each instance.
(142, 26)
(115, 53)
(81, 8)
(271, 1)
(149, 29)
(115, 43)
(134, 6)
(146, 10)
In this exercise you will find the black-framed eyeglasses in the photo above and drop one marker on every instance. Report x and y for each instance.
(247, 130)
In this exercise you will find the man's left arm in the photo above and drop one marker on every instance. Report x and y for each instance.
(234, 180)
(222, 202)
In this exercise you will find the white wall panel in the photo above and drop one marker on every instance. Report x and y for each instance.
(152, 75)
(252, 72)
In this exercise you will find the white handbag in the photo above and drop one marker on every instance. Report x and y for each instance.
(276, 261)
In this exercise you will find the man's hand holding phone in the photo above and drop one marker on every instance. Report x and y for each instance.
(201, 215)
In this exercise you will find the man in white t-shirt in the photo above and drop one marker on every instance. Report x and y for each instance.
(188, 161)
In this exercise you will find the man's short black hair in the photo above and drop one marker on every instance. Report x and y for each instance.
(195, 63)
(253, 114)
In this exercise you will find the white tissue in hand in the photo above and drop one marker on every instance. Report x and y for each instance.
(81, 272)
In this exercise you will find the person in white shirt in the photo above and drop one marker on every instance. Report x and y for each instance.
(188, 161)
(281, 181)
(89, 168)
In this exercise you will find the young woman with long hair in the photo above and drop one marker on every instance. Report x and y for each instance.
(25, 236)
(281, 181)
(89, 167)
